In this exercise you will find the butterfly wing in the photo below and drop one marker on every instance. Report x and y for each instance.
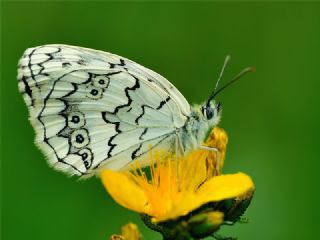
(92, 109)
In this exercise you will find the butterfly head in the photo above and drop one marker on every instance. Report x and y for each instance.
(211, 111)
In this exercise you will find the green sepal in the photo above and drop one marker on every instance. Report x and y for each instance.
(237, 209)
(165, 232)
(200, 226)
(197, 224)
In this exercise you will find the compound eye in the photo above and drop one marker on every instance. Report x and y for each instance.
(209, 112)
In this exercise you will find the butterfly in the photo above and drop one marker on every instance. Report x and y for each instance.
(92, 109)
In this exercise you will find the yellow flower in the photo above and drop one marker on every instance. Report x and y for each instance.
(129, 231)
(177, 186)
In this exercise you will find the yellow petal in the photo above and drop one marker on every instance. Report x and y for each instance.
(180, 208)
(131, 232)
(124, 190)
(215, 189)
(192, 169)
(225, 186)
(116, 237)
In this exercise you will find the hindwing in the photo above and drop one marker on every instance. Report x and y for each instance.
(93, 109)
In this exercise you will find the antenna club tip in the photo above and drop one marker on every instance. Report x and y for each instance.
(226, 60)
(249, 69)
(252, 69)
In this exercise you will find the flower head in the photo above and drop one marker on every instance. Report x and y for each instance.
(178, 185)
(129, 231)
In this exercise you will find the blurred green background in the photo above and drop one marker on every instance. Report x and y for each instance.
(271, 116)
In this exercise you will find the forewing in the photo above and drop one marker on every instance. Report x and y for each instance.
(92, 109)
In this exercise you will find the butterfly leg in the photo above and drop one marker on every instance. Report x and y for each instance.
(216, 150)
(179, 149)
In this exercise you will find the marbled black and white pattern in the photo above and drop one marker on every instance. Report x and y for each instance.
(94, 110)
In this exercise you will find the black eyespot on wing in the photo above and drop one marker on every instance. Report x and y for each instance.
(79, 138)
(94, 92)
(86, 156)
(101, 81)
(76, 120)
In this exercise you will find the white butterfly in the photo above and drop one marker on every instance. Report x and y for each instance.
(93, 109)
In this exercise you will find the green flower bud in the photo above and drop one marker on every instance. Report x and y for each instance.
(205, 224)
